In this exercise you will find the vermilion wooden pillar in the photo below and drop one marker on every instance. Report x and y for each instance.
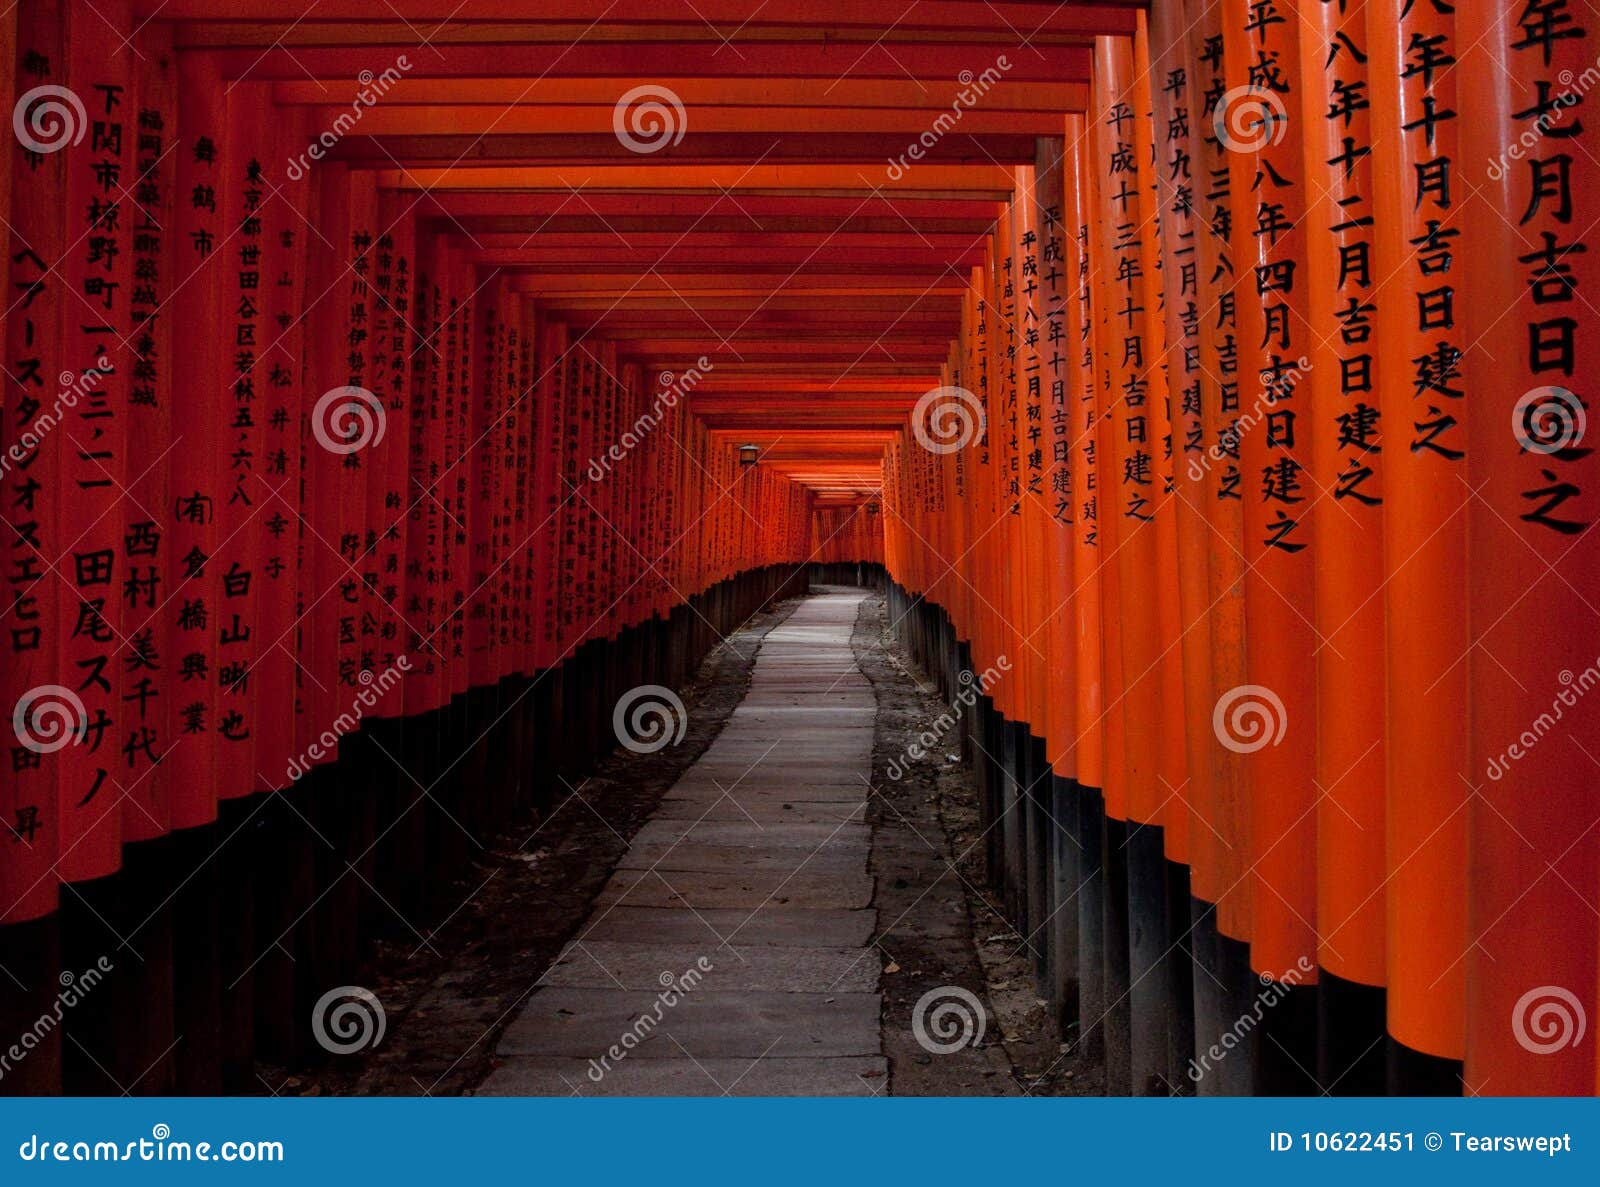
(1186, 632)
(1534, 851)
(1087, 551)
(1272, 719)
(1060, 390)
(1231, 887)
(1346, 452)
(1420, 395)
(36, 242)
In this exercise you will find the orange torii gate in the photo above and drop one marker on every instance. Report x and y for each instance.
(1276, 329)
(388, 393)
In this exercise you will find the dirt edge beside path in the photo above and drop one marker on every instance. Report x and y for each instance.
(938, 924)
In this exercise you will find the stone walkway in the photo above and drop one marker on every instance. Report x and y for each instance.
(731, 950)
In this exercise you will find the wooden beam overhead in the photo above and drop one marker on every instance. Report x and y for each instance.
(987, 181)
(546, 63)
(930, 96)
(876, 151)
(965, 16)
(808, 224)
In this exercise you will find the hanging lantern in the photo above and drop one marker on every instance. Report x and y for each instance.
(749, 454)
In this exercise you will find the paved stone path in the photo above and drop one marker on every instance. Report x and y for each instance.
(731, 950)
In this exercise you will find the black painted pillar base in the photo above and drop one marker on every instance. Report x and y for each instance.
(546, 783)
(118, 1038)
(367, 777)
(1149, 1001)
(969, 735)
(1412, 1073)
(402, 848)
(516, 702)
(1037, 877)
(1236, 1073)
(1066, 868)
(678, 644)
(238, 862)
(1180, 980)
(1118, 1023)
(1092, 998)
(475, 806)
(285, 887)
(1286, 1049)
(198, 924)
(1209, 996)
(501, 739)
(1013, 855)
(449, 838)
(1351, 1044)
(31, 954)
(983, 768)
(335, 918)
